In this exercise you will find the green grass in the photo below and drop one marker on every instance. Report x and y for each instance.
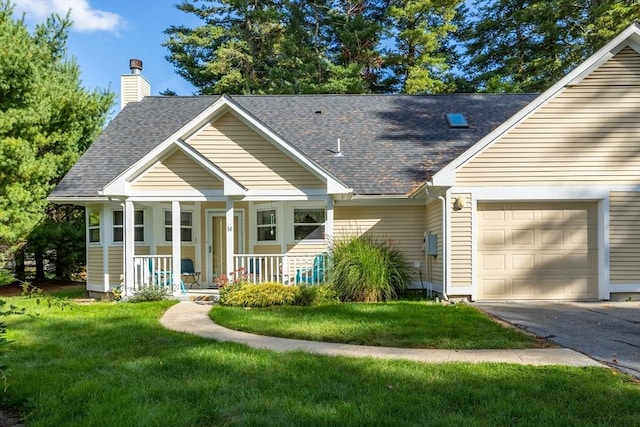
(392, 324)
(113, 365)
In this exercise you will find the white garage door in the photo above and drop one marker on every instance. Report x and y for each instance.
(537, 250)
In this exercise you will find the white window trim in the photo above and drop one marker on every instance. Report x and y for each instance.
(291, 226)
(99, 227)
(192, 226)
(278, 228)
(111, 226)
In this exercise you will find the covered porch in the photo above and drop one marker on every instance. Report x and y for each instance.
(254, 241)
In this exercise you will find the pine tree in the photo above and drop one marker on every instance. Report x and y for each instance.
(233, 51)
(47, 119)
(418, 59)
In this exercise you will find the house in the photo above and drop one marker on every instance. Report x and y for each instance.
(491, 196)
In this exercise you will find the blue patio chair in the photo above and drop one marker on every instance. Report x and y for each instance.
(186, 265)
(165, 278)
(315, 274)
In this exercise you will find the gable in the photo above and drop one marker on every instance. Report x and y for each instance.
(249, 158)
(177, 171)
(587, 134)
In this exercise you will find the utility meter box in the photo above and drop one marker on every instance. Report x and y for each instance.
(431, 244)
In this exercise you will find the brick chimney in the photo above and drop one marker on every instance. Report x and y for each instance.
(133, 87)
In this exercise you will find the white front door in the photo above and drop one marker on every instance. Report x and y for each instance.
(216, 257)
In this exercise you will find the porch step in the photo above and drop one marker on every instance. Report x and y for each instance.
(199, 295)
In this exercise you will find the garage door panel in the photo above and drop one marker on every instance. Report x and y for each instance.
(522, 237)
(540, 251)
(494, 262)
(492, 238)
(494, 288)
(521, 215)
(523, 288)
(523, 262)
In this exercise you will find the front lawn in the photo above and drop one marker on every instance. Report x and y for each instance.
(107, 364)
(392, 324)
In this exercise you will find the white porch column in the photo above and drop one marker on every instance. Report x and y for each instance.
(230, 232)
(176, 243)
(129, 246)
(328, 225)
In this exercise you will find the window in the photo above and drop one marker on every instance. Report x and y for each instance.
(94, 226)
(308, 224)
(186, 227)
(267, 225)
(138, 226)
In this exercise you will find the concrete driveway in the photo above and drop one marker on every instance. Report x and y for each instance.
(605, 331)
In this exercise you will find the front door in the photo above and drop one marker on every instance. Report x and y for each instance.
(217, 242)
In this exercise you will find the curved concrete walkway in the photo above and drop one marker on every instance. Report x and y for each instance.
(192, 317)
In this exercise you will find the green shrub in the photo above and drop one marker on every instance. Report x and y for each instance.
(366, 269)
(6, 278)
(149, 294)
(309, 295)
(259, 295)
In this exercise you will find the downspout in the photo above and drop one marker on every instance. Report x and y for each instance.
(444, 247)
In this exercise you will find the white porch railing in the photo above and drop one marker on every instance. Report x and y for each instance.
(287, 269)
(153, 271)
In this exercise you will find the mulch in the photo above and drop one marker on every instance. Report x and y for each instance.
(15, 289)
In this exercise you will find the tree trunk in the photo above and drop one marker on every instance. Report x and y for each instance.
(19, 259)
(39, 258)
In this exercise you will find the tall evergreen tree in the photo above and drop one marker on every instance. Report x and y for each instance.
(47, 119)
(418, 59)
(357, 28)
(527, 45)
(233, 50)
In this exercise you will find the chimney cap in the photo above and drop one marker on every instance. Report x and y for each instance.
(135, 65)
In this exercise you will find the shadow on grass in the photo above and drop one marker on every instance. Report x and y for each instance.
(113, 364)
(395, 324)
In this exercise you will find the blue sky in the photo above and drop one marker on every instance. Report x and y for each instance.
(107, 33)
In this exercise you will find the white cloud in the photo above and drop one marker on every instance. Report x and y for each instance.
(84, 17)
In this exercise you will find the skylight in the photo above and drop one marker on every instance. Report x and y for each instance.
(457, 120)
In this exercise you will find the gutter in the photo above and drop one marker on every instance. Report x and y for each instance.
(444, 240)
(444, 247)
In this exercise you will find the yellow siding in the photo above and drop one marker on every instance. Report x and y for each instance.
(115, 265)
(461, 246)
(133, 88)
(249, 158)
(622, 70)
(186, 251)
(129, 89)
(95, 271)
(403, 225)
(266, 249)
(304, 248)
(177, 172)
(624, 237)
(586, 136)
(434, 226)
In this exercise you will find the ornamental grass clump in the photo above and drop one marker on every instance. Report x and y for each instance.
(366, 269)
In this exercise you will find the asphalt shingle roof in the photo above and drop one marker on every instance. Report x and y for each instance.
(390, 143)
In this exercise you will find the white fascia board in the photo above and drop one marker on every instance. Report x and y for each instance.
(77, 200)
(362, 201)
(271, 195)
(534, 193)
(629, 37)
(177, 194)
